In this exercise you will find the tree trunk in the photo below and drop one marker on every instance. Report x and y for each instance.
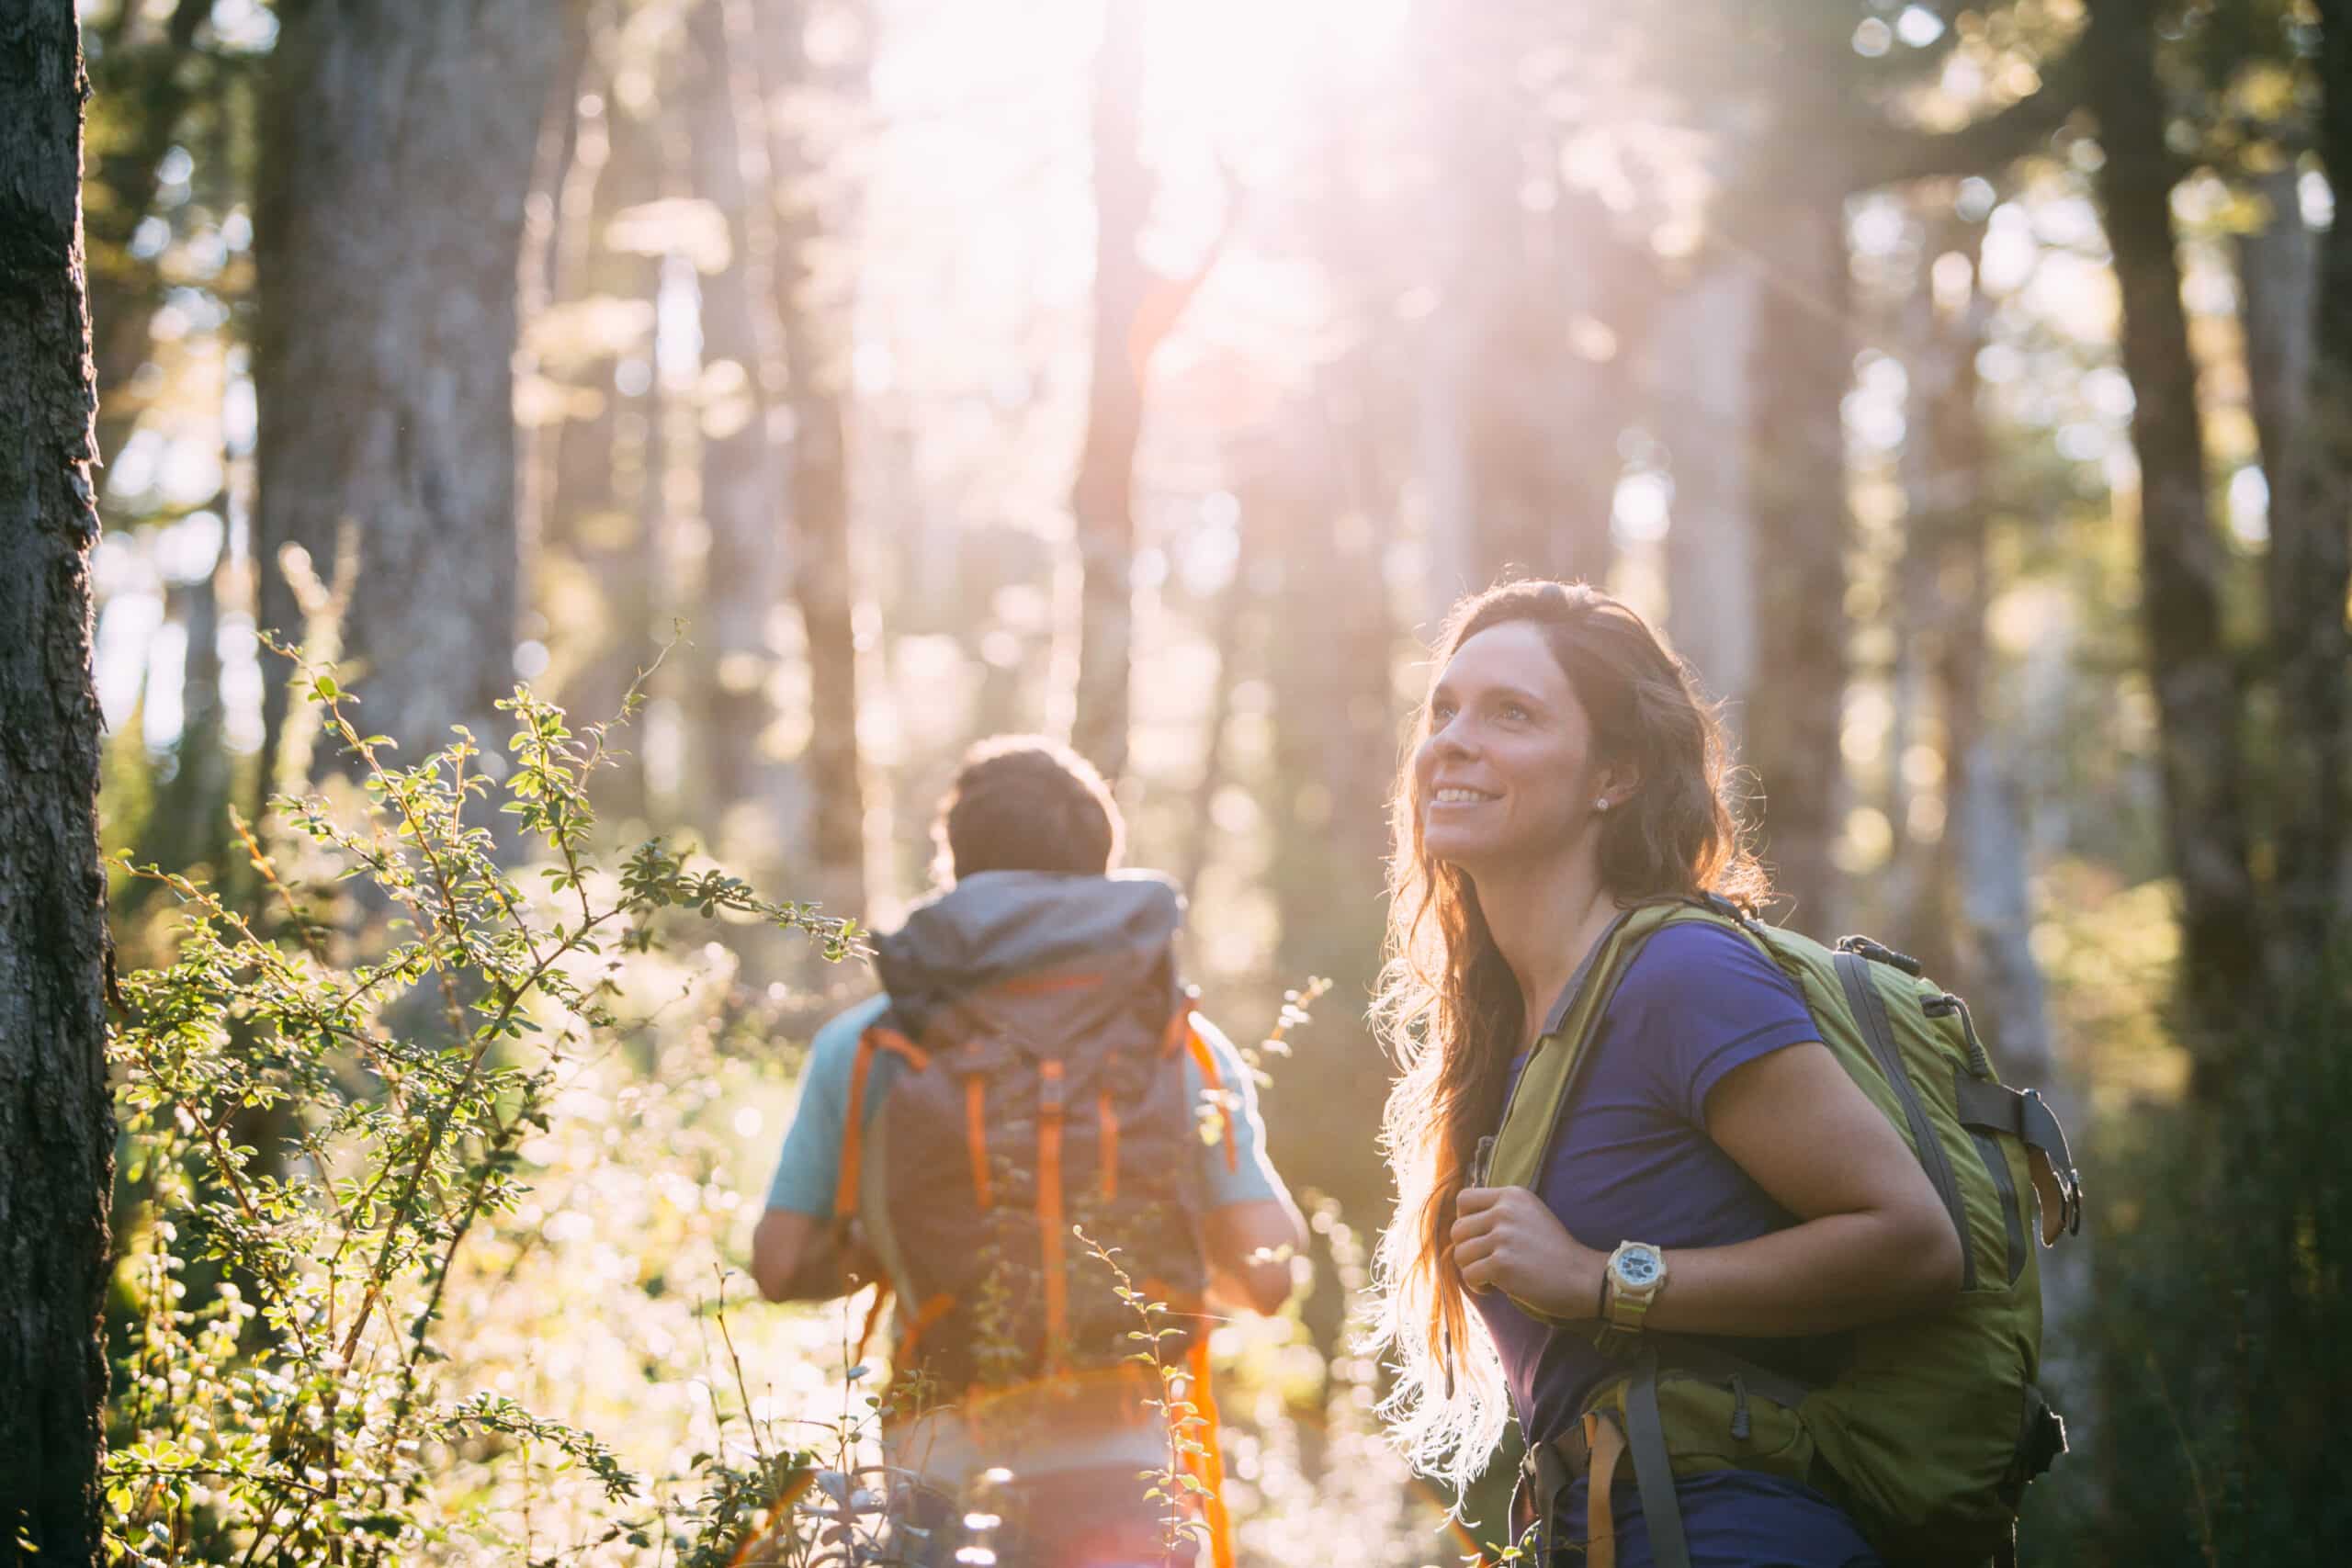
(597, 571)
(1101, 498)
(155, 88)
(1703, 348)
(1799, 366)
(190, 823)
(2198, 699)
(2310, 553)
(398, 143)
(1940, 598)
(1230, 629)
(742, 500)
(1334, 758)
(56, 1122)
(812, 310)
(1531, 332)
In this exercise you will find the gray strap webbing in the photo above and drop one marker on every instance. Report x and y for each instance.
(2021, 1114)
(1547, 1470)
(1654, 1469)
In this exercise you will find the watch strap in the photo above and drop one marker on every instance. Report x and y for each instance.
(1629, 1310)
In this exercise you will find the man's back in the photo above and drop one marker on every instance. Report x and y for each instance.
(910, 1148)
(1035, 1068)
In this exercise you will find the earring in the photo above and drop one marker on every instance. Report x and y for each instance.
(1601, 805)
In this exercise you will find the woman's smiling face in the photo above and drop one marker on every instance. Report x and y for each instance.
(1507, 772)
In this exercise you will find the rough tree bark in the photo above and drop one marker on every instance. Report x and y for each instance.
(2311, 552)
(398, 142)
(56, 1123)
(812, 316)
(1799, 365)
(2197, 700)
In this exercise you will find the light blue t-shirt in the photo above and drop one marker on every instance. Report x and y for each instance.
(809, 1166)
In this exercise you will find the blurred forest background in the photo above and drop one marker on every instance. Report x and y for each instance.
(1967, 388)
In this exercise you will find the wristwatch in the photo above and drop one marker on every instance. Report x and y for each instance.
(1635, 1275)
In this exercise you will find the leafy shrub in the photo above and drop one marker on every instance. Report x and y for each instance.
(2221, 1325)
(326, 1137)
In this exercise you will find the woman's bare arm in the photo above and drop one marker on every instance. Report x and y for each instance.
(1873, 1241)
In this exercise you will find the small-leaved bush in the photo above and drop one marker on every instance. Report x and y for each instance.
(317, 1141)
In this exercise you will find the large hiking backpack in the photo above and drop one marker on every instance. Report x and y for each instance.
(1931, 1427)
(1042, 1088)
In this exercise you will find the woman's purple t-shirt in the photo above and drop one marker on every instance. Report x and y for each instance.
(1633, 1162)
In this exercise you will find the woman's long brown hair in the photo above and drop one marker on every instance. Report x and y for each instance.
(1449, 1007)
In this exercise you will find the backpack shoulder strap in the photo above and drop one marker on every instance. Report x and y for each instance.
(879, 1036)
(1530, 1120)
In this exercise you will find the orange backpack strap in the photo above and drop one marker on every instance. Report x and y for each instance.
(1208, 1465)
(877, 1038)
(1106, 1133)
(1212, 1083)
(911, 1335)
(976, 1136)
(1049, 1208)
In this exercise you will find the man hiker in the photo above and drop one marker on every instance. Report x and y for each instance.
(1033, 1085)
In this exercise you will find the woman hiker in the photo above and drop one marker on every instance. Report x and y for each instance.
(1718, 1176)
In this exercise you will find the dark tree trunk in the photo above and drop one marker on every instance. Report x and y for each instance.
(56, 1123)
(1799, 365)
(2311, 552)
(2275, 277)
(742, 500)
(2198, 699)
(812, 310)
(154, 85)
(1940, 599)
(190, 822)
(398, 143)
(1101, 498)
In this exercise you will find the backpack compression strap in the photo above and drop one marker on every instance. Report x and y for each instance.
(876, 1038)
(2023, 1116)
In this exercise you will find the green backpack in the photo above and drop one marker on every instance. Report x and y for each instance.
(1932, 1426)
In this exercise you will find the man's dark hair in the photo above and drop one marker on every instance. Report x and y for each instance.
(1025, 802)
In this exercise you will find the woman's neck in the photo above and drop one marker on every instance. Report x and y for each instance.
(1544, 920)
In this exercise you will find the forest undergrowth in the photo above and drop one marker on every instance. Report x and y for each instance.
(436, 1171)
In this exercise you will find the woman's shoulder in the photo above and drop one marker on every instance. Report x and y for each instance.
(1697, 1002)
(1701, 967)
(1690, 953)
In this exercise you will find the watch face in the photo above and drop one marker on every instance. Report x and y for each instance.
(1638, 1268)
